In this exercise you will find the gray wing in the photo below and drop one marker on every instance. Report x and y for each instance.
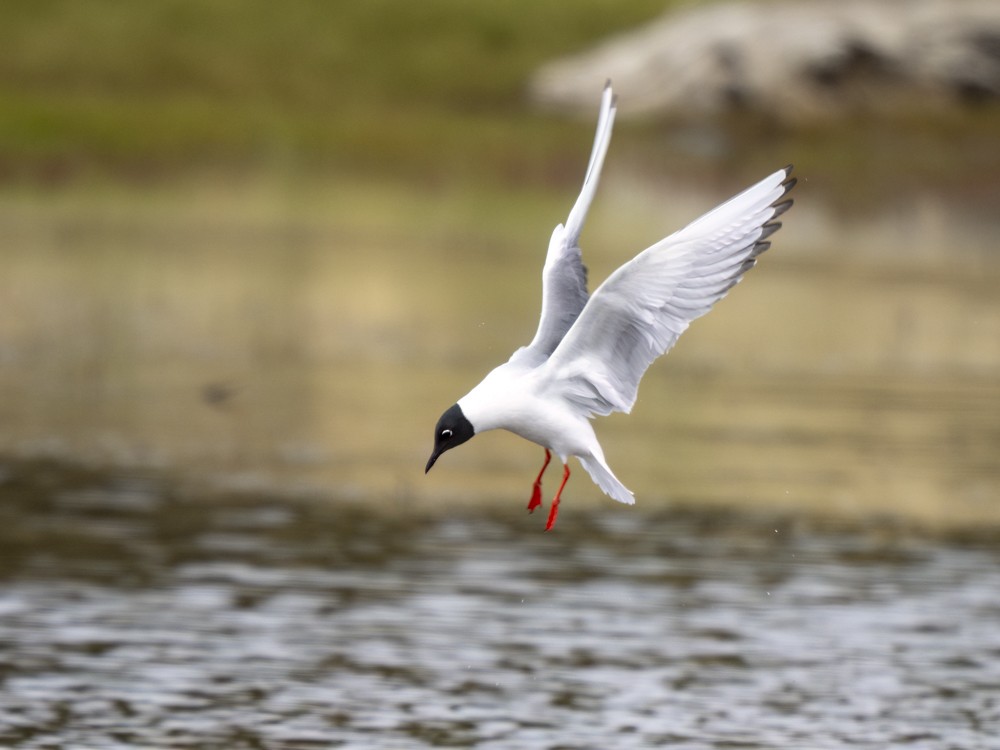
(643, 307)
(564, 277)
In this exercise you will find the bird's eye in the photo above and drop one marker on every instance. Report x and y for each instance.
(446, 433)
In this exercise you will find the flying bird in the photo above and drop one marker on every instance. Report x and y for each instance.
(590, 352)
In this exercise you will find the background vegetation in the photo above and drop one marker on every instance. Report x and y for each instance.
(433, 91)
(383, 85)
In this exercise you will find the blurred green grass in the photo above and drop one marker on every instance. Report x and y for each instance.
(429, 88)
(430, 92)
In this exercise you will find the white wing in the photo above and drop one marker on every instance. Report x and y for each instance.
(564, 277)
(644, 306)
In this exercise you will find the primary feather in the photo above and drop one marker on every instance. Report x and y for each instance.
(643, 307)
(564, 277)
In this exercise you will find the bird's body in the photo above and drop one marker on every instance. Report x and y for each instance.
(532, 402)
(590, 352)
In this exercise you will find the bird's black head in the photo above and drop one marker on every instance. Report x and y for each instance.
(452, 429)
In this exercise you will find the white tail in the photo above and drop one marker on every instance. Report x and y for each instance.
(606, 480)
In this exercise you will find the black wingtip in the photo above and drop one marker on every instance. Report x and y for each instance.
(768, 229)
(780, 208)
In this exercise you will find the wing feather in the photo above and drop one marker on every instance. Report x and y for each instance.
(564, 277)
(643, 307)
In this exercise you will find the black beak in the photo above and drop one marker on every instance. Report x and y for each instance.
(434, 457)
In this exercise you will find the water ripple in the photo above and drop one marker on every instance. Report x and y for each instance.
(141, 618)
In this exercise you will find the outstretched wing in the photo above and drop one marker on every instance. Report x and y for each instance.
(644, 306)
(564, 277)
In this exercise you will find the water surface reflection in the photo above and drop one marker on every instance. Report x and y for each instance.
(134, 614)
(270, 335)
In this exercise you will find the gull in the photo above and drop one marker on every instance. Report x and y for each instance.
(590, 352)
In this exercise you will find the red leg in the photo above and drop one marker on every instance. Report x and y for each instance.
(536, 492)
(555, 503)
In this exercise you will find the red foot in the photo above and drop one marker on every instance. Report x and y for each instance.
(555, 503)
(536, 492)
(536, 497)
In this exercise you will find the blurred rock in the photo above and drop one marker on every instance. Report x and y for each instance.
(794, 60)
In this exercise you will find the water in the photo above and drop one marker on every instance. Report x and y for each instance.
(272, 334)
(299, 341)
(134, 613)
